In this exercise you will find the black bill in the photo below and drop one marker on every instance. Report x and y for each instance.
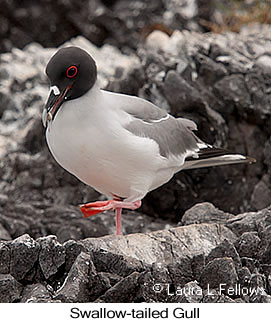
(54, 102)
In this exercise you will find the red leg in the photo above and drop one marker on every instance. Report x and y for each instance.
(101, 206)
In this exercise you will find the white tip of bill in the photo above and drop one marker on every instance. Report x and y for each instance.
(55, 89)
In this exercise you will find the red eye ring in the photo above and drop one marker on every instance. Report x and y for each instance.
(71, 71)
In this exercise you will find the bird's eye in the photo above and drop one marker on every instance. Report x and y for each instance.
(71, 71)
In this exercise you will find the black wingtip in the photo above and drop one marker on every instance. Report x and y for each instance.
(210, 152)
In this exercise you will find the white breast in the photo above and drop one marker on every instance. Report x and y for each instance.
(86, 138)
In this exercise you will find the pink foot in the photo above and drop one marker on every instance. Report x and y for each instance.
(90, 209)
(102, 206)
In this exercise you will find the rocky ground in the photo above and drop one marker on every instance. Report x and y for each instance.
(178, 241)
(212, 257)
(118, 22)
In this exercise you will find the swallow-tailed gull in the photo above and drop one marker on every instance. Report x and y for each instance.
(121, 145)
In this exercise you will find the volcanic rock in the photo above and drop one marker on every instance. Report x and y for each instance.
(248, 244)
(205, 213)
(24, 254)
(51, 255)
(36, 293)
(10, 289)
(76, 286)
(225, 249)
(219, 271)
(163, 246)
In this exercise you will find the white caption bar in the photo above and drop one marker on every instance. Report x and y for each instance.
(140, 312)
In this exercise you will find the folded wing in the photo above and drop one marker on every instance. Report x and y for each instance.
(175, 137)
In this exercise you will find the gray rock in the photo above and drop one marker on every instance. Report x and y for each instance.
(10, 289)
(244, 288)
(171, 251)
(3, 199)
(76, 285)
(124, 291)
(39, 218)
(121, 265)
(267, 153)
(232, 89)
(250, 263)
(214, 296)
(225, 249)
(239, 300)
(113, 278)
(186, 98)
(225, 299)
(219, 273)
(24, 254)
(119, 22)
(197, 263)
(210, 295)
(181, 272)
(5, 258)
(157, 40)
(7, 103)
(260, 299)
(156, 285)
(99, 283)
(264, 61)
(186, 9)
(266, 270)
(209, 70)
(244, 276)
(19, 218)
(265, 247)
(191, 293)
(4, 235)
(250, 221)
(51, 255)
(261, 193)
(135, 221)
(36, 293)
(93, 272)
(257, 284)
(163, 246)
(248, 244)
(205, 213)
(72, 250)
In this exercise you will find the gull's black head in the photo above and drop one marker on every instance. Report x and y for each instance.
(72, 72)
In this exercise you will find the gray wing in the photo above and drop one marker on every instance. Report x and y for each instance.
(173, 135)
(144, 110)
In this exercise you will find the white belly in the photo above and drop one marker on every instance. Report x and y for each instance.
(109, 161)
